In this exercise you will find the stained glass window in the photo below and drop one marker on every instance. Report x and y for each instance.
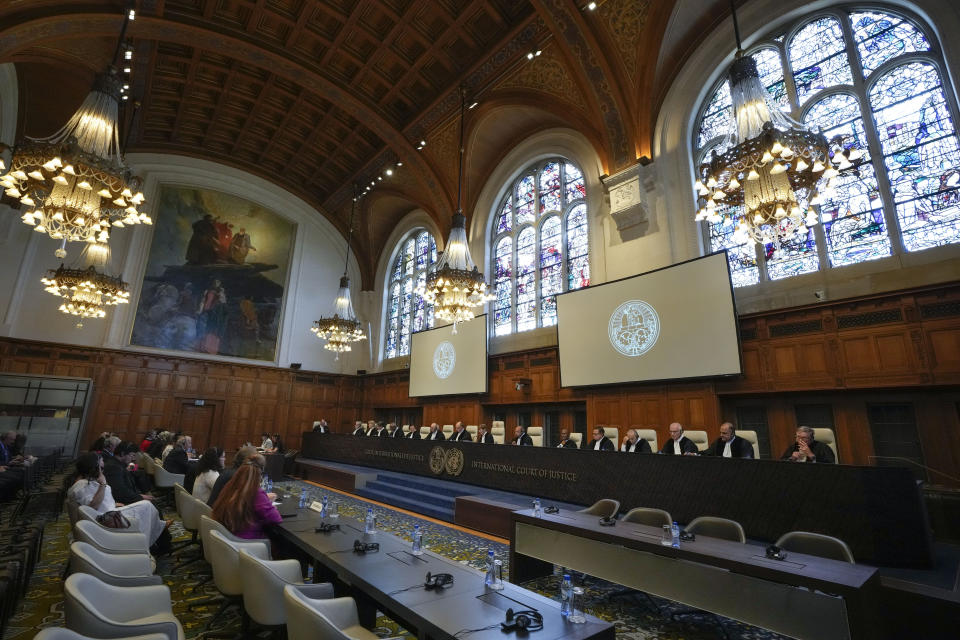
(533, 262)
(406, 312)
(905, 196)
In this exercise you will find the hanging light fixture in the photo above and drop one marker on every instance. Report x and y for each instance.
(342, 329)
(88, 290)
(75, 185)
(776, 168)
(454, 285)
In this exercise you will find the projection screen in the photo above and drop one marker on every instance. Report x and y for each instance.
(676, 322)
(443, 363)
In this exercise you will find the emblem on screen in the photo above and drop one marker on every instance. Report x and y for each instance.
(633, 328)
(444, 359)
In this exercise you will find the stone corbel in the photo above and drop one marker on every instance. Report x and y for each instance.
(631, 192)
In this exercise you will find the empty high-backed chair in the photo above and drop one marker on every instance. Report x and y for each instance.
(424, 432)
(118, 569)
(225, 560)
(497, 431)
(827, 437)
(751, 437)
(699, 438)
(62, 633)
(110, 541)
(650, 435)
(613, 432)
(648, 516)
(86, 512)
(605, 508)
(717, 528)
(99, 610)
(472, 430)
(816, 544)
(263, 583)
(447, 431)
(322, 619)
(536, 434)
(577, 438)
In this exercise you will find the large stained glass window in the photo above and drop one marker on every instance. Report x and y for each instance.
(406, 312)
(875, 78)
(540, 245)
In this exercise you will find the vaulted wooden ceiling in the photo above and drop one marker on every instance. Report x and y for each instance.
(316, 95)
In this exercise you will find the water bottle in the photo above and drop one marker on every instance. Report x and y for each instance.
(537, 511)
(566, 587)
(269, 484)
(417, 541)
(675, 530)
(303, 498)
(323, 508)
(309, 579)
(490, 568)
(371, 523)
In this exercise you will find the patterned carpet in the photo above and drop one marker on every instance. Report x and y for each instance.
(636, 617)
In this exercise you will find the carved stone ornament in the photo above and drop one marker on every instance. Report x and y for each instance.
(630, 191)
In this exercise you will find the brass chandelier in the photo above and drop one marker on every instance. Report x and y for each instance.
(776, 168)
(86, 290)
(343, 328)
(454, 286)
(75, 184)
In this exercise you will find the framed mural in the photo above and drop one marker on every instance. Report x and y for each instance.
(215, 277)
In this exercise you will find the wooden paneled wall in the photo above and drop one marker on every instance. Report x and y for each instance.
(902, 347)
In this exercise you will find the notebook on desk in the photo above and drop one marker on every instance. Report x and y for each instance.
(287, 505)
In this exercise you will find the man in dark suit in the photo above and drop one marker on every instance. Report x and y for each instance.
(484, 436)
(600, 441)
(116, 457)
(413, 432)
(728, 445)
(460, 433)
(320, 426)
(520, 437)
(679, 444)
(393, 431)
(358, 429)
(565, 441)
(806, 449)
(633, 443)
(243, 453)
(435, 433)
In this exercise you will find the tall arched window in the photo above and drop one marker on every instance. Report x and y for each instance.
(876, 77)
(406, 311)
(540, 245)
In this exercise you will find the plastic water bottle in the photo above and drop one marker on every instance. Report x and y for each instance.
(371, 523)
(269, 484)
(323, 508)
(309, 579)
(537, 511)
(566, 588)
(417, 541)
(303, 498)
(675, 530)
(490, 568)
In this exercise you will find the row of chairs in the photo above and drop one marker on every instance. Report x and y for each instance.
(815, 544)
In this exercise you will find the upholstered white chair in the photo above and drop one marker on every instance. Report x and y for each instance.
(163, 479)
(118, 569)
(699, 438)
(577, 438)
(424, 432)
(447, 431)
(224, 558)
(86, 512)
(322, 619)
(717, 528)
(472, 430)
(650, 436)
(613, 432)
(648, 516)
(816, 544)
(536, 434)
(62, 633)
(605, 508)
(263, 582)
(827, 437)
(751, 437)
(100, 610)
(109, 540)
(498, 432)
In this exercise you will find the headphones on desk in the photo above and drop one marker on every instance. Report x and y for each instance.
(522, 622)
(776, 553)
(365, 547)
(437, 581)
(326, 527)
(551, 509)
(608, 522)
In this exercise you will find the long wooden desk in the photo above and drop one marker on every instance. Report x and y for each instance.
(802, 596)
(392, 580)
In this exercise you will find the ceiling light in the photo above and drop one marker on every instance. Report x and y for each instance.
(87, 291)
(389, 172)
(591, 6)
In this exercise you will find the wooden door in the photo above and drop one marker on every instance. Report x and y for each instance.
(199, 422)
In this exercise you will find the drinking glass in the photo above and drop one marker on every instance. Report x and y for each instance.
(576, 606)
(333, 509)
(666, 536)
(497, 575)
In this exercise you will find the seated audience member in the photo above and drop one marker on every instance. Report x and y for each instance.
(97, 445)
(117, 457)
(460, 433)
(806, 449)
(148, 440)
(435, 432)
(12, 471)
(679, 444)
(633, 443)
(178, 460)
(413, 432)
(155, 450)
(728, 445)
(520, 437)
(359, 429)
(600, 441)
(484, 436)
(91, 489)
(208, 471)
(242, 455)
(243, 507)
(171, 442)
(565, 441)
(266, 443)
(320, 426)
(277, 444)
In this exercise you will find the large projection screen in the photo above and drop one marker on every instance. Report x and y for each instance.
(676, 322)
(444, 363)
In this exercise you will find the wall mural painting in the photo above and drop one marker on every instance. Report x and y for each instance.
(215, 277)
